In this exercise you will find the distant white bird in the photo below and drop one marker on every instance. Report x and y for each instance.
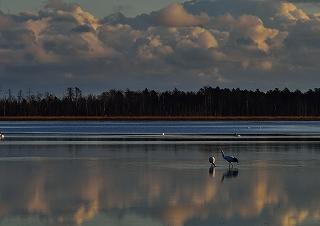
(228, 158)
(212, 161)
(1, 136)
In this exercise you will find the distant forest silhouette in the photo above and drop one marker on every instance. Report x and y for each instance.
(207, 101)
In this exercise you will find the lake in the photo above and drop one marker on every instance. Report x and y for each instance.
(53, 174)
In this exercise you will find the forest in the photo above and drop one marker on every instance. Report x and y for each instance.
(207, 101)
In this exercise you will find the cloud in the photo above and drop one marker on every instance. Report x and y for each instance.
(204, 38)
(291, 12)
(248, 30)
(121, 37)
(68, 12)
(153, 49)
(224, 42)
(176, 16)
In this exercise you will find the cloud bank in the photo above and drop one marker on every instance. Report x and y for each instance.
(243, 43)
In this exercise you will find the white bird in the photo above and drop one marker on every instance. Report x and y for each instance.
(1, 136)
(212, 161)
(228, 158)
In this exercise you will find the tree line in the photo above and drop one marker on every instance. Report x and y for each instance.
(207, 101)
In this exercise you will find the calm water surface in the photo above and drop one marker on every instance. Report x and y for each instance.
(159, 184)
(159, 127)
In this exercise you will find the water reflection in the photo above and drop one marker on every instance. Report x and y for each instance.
(230, 173)
(212, 171)
(153, 189)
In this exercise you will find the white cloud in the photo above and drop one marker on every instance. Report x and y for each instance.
(291, 12)
(176, 16)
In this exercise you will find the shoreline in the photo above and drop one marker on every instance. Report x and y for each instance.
(159, 118)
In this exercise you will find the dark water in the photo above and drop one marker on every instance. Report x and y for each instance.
(117, 185)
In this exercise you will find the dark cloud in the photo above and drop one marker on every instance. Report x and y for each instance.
(83, 28)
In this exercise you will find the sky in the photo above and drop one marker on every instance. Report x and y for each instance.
(99, 45)
(100, 8)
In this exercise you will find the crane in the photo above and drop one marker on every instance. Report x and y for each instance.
(229, 159)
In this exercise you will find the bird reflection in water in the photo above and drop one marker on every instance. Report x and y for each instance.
(212, 171)
(230, 173)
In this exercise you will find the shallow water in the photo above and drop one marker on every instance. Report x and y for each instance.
(159, 184)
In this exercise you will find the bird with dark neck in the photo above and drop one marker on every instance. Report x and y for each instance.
(228, 158)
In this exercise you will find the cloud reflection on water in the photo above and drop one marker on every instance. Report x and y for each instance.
(121, 191)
